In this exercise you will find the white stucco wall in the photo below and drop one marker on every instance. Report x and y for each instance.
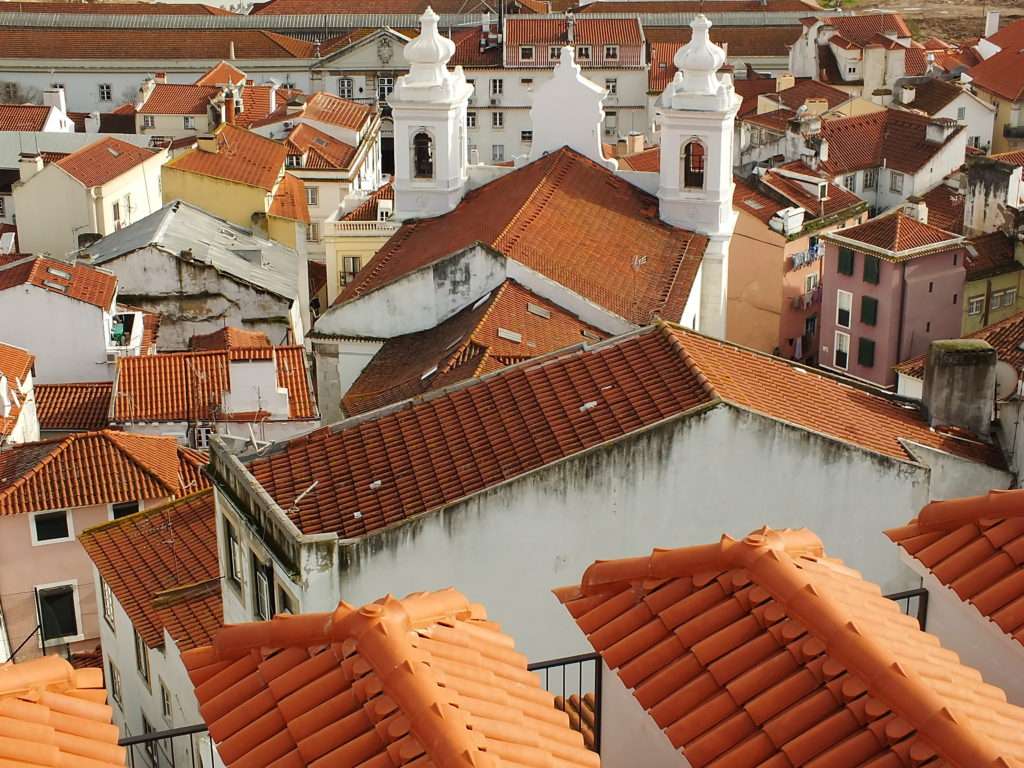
(629, 736)
(28, 319)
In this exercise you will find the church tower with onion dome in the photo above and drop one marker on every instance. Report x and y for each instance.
(698, 112)
(429, 111)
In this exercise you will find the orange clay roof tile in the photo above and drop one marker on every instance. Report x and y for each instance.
(431, 451)
(15, 366)
(242, 156)
(945, 208)
(568, 218)
(422, 681)
(322, 151)
(896, 234)
(77, 281)
(894, 138)
(222, 74)
(23, 117)
(103, 161)
(54, 715)
(367, 210)
(73, 407)
(159, 564)
(974, 546)
(56, 474)
(474, 341)
(766, 652)
(117, 9)
(228, 337)
(188, 386)
(1006, 336)
(290, 200)
(325, 108)
(179, 99)
(863, 28)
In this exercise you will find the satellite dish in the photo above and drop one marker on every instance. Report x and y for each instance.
(1007, 380)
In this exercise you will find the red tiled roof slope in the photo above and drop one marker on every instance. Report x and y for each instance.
(147, 556)
(1006, 336)
(179, 99)
(325, 108)
(423, 681)
(55, 714)
(975, 546)
(1001, 74)
(322, 151)
(649, 160)
(117, 9)
(188, 386)
(990, 255)
(568, 218)
(57, 474)
(896, 234)
(15, 365)
(23, 117)
(945, 208)
(894, 136)
(933, 94)
(223, 73)
(1015, 157)
(242, 156)
(526, 30)
(862, 29)
(228, 337)
(766, 652)
(473, 342)
(289, 201)
(77, 281)
(696, 6)
(103, 161)
(73, 407)
(367, 210)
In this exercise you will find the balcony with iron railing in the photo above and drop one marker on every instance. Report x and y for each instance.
(807, 299)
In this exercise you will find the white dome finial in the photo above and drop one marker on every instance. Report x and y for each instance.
(700, 59)
(428, 54)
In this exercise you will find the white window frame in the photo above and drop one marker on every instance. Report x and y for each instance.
(346, 87)
(554, 52)
(497, 86)
(73, 583)
(235, 570)
(471, 119)
(850, 182)
(870, 178)
(385, 85)
(139, 643)
(262, 593)
(584, 53)
(107, 604)
(106, 92)
(165, 702)
(313, 232)
(116, 691)
(811, 281)
(312, 196)
(961, 113)
(839, 294)
(611, 84)
(526, 53)
(497, 120)
(32, 527)
(976, 305)
(896, 182)
(496, 156)
(611, 53)
(1009, 297)
(995, 300)
(835, 351)
(188, 122)
(149, 121)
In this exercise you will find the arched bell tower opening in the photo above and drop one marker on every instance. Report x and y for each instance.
(692, 172)
(423, 155)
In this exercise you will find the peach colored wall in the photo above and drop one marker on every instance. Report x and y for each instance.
(755, 284)
(26, 566)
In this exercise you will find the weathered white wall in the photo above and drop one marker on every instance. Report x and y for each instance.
(979, 117)
(629, 736)
(194, 299)
(28, 317)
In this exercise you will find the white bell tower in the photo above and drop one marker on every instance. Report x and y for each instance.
(429, 111)
(698, 112)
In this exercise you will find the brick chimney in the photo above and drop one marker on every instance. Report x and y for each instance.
(229, 106)
(960, 384)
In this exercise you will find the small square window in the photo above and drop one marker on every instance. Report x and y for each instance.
(554, 53)
(106, 92)
(526, 136)
(611, 52)
(189, 123)
(58, 611)
(51, 527)
(526, 53)
(123, 509)
(149, 121)
(345, 89)
(142, 657)
(583, 53)
(611, 84)
(471, 119)
(975, 305)
(845, 265)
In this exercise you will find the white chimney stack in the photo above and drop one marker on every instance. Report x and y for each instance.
(991, 23)
(29, 164)
(54, 97)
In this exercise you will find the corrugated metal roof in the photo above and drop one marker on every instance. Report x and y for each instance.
(179, 227)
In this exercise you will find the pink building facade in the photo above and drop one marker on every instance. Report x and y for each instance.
(889, 288)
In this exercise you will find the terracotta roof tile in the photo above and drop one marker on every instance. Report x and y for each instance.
(257, 101)
(891, 137)
(777, 120)
(23, 117)
(896, 234)
(55, 714)
(189, 386)
(473, 342)
(77, 281)
(148, 44)
(325, 108)
(748, 89)
(649, 161)
(525, 30)
(802, 90)
(118, 9)
(73, 407)
(179, 99)
(158, 563)
(990, 255)
(284, 7)
(15, 365)
(933, 94)
(837, 198)
(974, 547)
(223, 73)
(103, 161)
(945, 208)
(322, 151)
(367, 210)
(766, 652)
(426, 680)
(242, 156)
(568, 218)
(863, 28)
(1010, 36)
(228, 337)
(472, 50)
(451, 444)
(1006, 336)
(290, 200)
(696, 6)
(753, 201)
(1014, 158)
(57, 474)
(1001, 74)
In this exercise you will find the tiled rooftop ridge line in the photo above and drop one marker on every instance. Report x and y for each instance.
(952, 513)
(769, 557)
(677, 345)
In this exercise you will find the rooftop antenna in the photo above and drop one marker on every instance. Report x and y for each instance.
(301, 496)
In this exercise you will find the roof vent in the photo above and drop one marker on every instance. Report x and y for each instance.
(505, 333)
(59, 273)
(427, 374)
(588, 405)
(55, 286)
(590, 334)
(538, 310)
(113, 152)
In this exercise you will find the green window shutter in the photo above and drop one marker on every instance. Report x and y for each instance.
(866, 353)
(872, 269)
(868, 310)
(845, 261)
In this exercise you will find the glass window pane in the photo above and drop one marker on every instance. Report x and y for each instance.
(52, 525)
(57, 609)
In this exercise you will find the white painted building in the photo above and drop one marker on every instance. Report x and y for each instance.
(68, 314)
(97, 190)
(949, 100)
(18, 420)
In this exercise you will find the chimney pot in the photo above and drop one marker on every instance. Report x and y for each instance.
(208, 143)
(29, 164)
(991, 23)
(784, 82)
(959, 385)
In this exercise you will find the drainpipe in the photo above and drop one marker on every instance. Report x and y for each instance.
(903, 310)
